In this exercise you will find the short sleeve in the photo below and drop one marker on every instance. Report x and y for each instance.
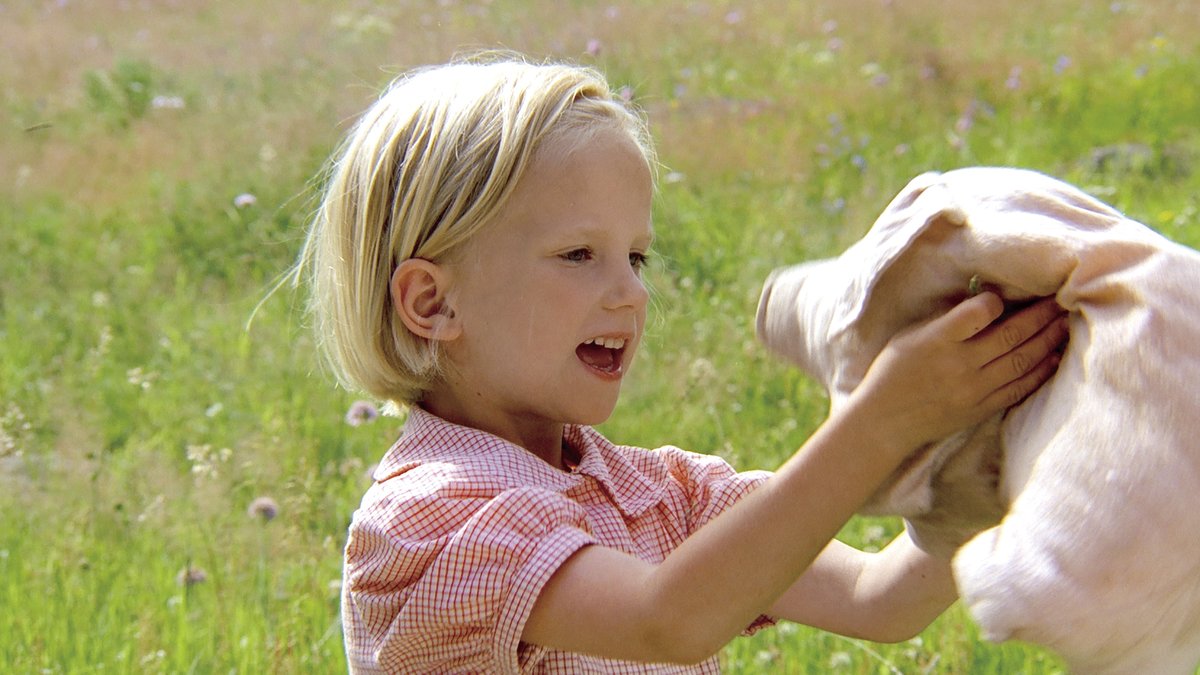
(710, 486)
(709, 483)
(439, 584)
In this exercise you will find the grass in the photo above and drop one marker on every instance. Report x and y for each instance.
(140, 416)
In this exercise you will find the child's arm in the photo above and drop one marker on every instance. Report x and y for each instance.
(929, 382)
(885, 597)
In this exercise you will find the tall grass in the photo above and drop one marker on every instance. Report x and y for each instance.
(154, 182)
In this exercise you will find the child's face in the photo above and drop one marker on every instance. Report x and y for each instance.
(558, 272)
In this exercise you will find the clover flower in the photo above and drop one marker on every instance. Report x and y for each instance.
(263, 508)
(1013, 82)
(190, 576)
(360, 413)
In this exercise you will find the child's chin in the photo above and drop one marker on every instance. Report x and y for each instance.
(596, 414)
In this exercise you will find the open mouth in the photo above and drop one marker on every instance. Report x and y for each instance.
(602, 354)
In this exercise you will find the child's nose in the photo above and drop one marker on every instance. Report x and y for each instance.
(627, 289)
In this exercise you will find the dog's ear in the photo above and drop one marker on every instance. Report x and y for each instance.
(794, 314)
(924, 209)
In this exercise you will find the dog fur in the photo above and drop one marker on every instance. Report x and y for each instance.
(1079, 508)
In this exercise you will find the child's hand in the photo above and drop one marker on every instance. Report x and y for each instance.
(959, 369)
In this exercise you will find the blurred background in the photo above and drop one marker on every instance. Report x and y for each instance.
(176, 479)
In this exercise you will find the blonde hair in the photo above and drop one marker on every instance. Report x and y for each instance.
(425, 167)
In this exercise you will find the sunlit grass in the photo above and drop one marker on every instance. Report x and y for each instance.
(141, 417)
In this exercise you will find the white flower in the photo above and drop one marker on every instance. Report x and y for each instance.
(167, 102)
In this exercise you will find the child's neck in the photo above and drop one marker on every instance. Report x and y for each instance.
(540, 438)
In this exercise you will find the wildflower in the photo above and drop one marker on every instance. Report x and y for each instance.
(875, 72)
(840, 660)
(1062, 64)
(152, 509)
(829, 26)
(140, 378)
(593, 47)
(734, 17)
(967, 120)
(205, 462)
(264, 508)
(360, 413)
(190, 576)
(835, 206)
(1014, 79)
(766, 656)
(874, 533)
(153, 657)
(245, 199)
(161, 102)
(701, 370)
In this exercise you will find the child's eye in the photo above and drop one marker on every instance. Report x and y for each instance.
(638, 260)
(577, 255)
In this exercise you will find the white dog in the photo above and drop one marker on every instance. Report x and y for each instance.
(1098, 552)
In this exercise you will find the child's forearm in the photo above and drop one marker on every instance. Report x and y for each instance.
(884, 597)
(727, 573)
(902, 590)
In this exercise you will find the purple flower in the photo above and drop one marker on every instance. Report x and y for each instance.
(593, 47)
(1062, 64)
(264, 508)
(1014, 79)
(360, 413)
(734, 17)
(190, 576)
(245, 199)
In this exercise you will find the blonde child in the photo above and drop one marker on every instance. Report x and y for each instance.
(477, 258)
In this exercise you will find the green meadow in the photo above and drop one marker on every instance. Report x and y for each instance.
(156, 177)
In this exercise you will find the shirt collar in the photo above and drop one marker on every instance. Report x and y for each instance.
(630, 488)
(429, 438)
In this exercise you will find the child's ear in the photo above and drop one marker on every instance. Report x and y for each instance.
(419, 297)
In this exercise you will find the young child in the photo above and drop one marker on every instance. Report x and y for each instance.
(477, 257)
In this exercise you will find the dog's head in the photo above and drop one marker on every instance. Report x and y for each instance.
(1020, 233)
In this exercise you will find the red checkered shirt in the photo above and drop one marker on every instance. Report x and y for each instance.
(462, 529)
